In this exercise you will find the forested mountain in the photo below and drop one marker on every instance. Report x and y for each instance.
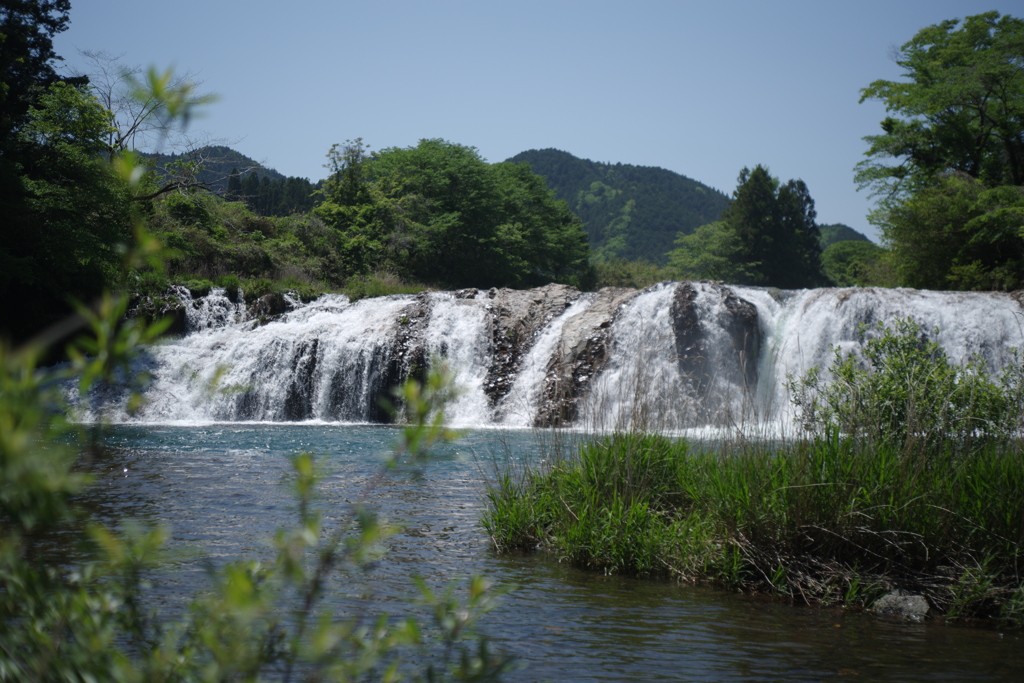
(628, 211)
(217, 162)
(838, 232)
(236, 177)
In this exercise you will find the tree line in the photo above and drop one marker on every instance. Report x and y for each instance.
(271, 196)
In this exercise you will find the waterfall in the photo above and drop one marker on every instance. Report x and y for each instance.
(802, 328)
(673, 356)
(641, 385)
(211, 311)
(457, 334)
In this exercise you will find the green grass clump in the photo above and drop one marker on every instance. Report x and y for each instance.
(231, 285)
(198, 287)
(379, 284)
(816, 521)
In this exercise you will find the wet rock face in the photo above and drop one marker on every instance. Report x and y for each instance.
(298, 404)
(705, 359)
(581, 353)
(516, 318)
(409, 351)
(407, 356)
(268, 307)
(151, 309)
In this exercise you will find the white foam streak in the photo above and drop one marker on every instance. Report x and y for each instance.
(286, 370)
(641, 385)
(457, 333)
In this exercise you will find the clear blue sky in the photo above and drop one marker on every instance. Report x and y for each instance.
(700, 88)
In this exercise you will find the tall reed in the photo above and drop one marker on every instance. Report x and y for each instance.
(817, 521)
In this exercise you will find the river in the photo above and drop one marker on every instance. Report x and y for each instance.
(219, 487)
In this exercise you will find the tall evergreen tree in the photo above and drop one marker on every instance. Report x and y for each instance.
(234, 190)
(27, 28)
(766, 236)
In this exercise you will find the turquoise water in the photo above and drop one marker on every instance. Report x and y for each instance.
(219, 488)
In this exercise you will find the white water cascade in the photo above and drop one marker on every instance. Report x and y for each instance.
(641, 383)
(457, 332)
(675, 355)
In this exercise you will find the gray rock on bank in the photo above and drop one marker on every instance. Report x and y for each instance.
(902, 604)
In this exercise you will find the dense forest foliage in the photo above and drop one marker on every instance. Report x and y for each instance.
(214, 165)
(629, 212)
(948, 166)
(63, 213)
(437, 211)
(838, 232)
(853, 263)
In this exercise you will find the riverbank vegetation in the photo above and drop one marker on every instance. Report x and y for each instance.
(908, 475)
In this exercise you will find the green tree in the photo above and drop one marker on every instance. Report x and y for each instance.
(346, 184)
(957, 234)
(852, 263)
(439, 213)
(66, 237)
(951, 153)
(234, 189)
(960, 109)
(27, 28)
(766, 236)
(713, 252)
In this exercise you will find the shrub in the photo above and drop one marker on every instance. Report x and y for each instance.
(904, 390)
(198, 288)
(254, 288)
(380, 283)
(231, 284)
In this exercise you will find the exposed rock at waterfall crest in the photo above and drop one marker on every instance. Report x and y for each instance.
(516, 318)
(581, 353)
(705, 353)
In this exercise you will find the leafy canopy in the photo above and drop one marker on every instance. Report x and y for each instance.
(961, 108)
(949, 164)
(438, 212)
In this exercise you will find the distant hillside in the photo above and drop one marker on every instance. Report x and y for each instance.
(837, 232)
(263, 189)
(628, 211)
(218, 161)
